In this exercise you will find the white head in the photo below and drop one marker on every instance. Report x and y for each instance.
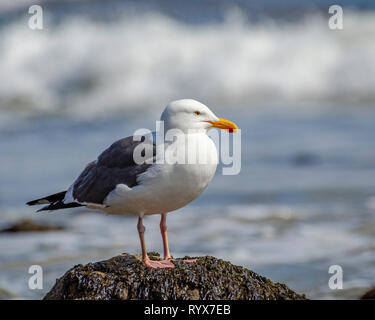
(189, 114)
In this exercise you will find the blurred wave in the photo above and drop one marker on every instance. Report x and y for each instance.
(84, 67)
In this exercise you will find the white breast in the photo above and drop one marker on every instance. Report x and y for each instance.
(169, 186)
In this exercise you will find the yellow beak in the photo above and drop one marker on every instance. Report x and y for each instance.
(224, 124)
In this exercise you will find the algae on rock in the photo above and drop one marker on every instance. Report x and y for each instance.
(125, 277)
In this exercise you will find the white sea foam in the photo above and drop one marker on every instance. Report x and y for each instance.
(84, 67)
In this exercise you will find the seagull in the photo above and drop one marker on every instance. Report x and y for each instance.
(119, 183)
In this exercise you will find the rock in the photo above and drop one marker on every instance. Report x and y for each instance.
(125, 277)
(6, 294)
(30, 226)
(369, 295)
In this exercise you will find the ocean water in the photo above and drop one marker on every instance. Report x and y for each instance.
(301, 93)
(303, 201)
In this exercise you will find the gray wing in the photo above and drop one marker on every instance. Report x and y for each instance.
(114, 166)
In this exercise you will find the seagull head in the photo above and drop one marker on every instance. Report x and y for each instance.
(190, 115)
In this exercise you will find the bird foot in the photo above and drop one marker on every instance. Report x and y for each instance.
(189, 260)
(186, 260)
(163, 264)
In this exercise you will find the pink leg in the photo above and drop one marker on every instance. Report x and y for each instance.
(163, 230)
(146, 260)
(167, 260)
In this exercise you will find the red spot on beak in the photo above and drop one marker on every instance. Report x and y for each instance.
(230, 130)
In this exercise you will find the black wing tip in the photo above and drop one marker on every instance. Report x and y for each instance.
(60, 205)
(53, 202)
(33, 203)
(56, 197)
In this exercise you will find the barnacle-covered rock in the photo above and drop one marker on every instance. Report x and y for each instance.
(125, 277)
(369, 295)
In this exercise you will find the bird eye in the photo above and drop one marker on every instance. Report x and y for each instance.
(197, 113)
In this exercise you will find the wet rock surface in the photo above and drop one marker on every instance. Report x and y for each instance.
(369, 295)
(6, 294)
(30, 226)
(125, 277)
